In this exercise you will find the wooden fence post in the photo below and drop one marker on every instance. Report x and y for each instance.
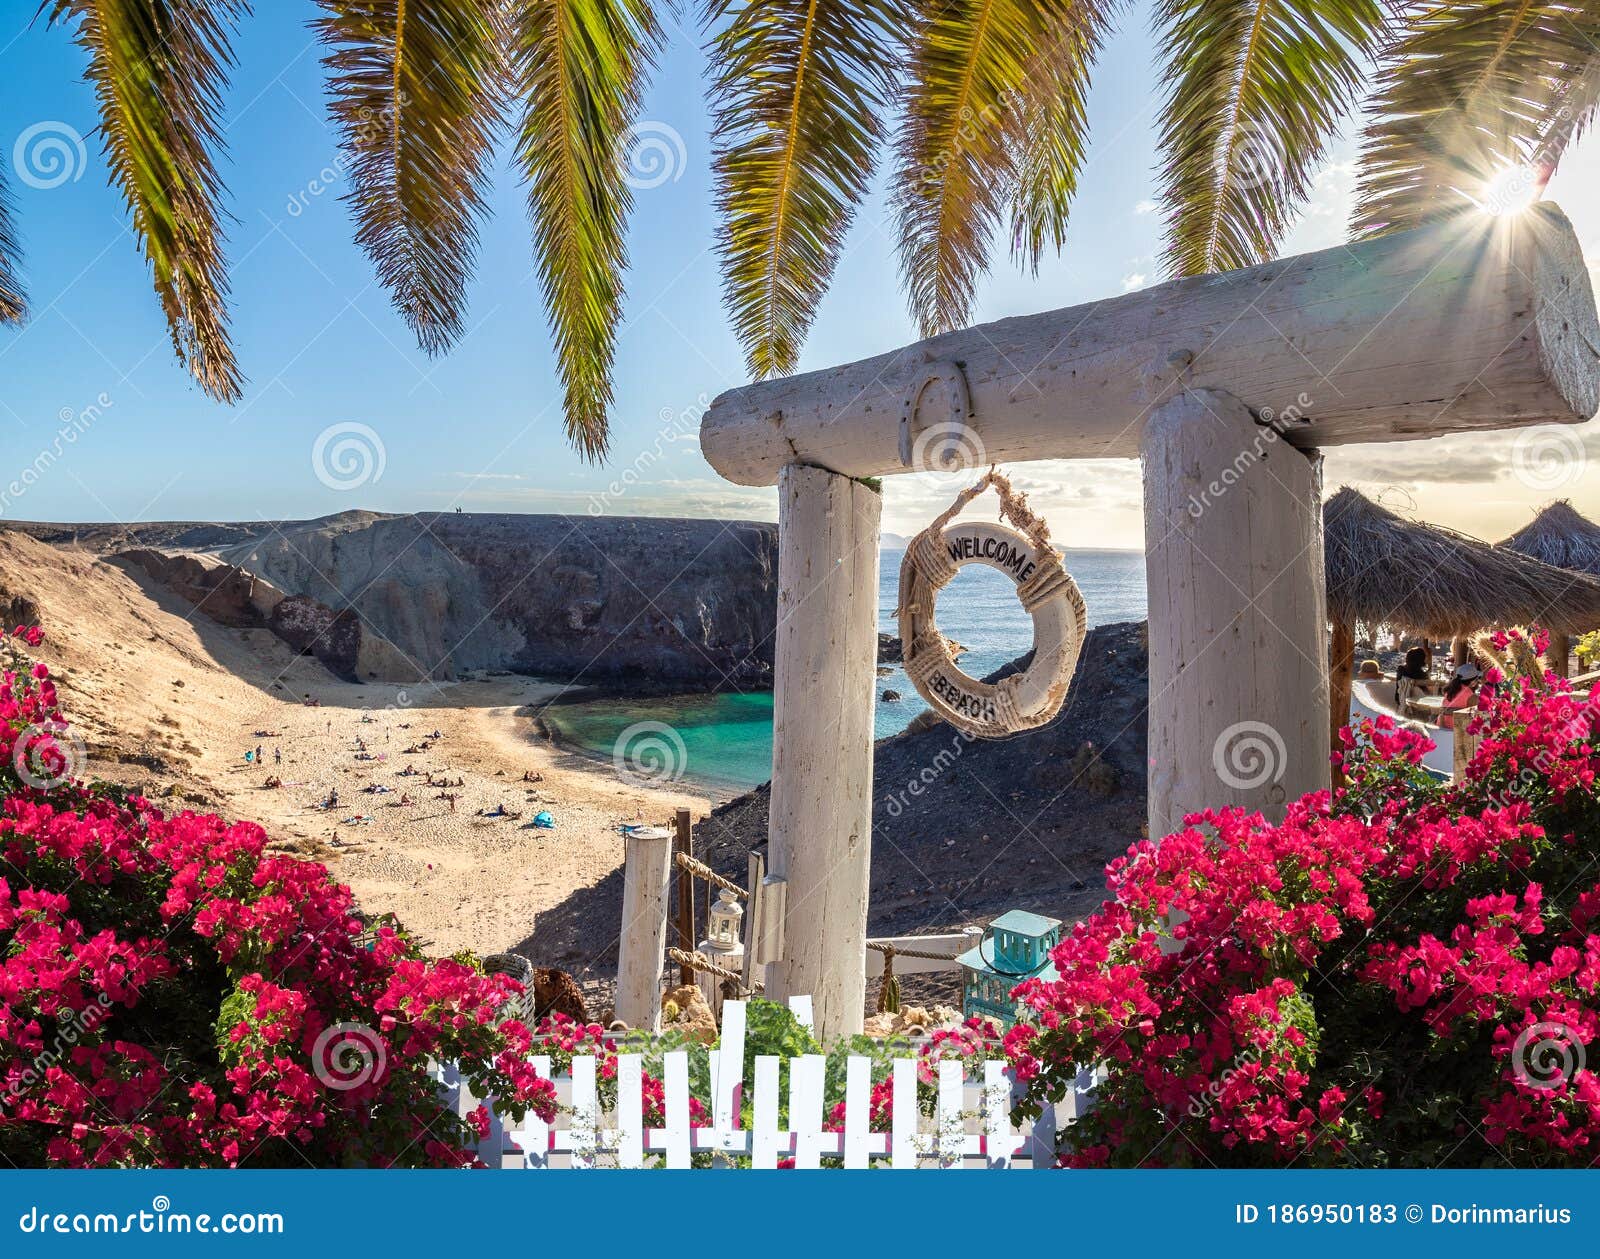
(824, 670)
(1238, 622)
(683, 841)
(642, 945)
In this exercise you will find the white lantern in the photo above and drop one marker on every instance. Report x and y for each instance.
(726, 920)
(722, 945)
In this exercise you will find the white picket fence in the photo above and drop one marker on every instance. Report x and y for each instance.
(970, 1128)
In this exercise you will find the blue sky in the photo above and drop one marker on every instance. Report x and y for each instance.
(480, 428)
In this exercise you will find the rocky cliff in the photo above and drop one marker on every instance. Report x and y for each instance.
(672, 603)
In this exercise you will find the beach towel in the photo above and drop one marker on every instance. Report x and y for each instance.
(544, 821)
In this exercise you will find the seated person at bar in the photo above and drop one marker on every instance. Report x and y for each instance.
(1411, 676)
(1462, 692)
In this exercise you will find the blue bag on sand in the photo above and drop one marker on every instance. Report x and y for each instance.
(544, 821)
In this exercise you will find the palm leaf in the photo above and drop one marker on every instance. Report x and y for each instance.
(418, 89)
(798, 97)
(13, 303)
(1469, 90)
(1051, 132)
(579, 69)
(982, 72)
(159, 68)
(1254, 90)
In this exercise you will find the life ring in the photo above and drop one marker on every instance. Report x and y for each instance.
(1024, 700)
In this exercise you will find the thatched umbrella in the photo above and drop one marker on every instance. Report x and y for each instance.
(1561, 536)
(1385, 569)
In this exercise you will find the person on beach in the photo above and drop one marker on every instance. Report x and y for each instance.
(1460, 693)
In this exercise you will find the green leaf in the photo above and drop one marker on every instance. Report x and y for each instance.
(13, 302)
(799, 92)
(579, 66)
(1254, 90)
(159, 68)
(994, 122)
(1468, 91)
(418, 89)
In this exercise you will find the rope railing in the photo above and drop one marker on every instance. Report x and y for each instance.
(702, 871)
(894, 950)
(700, 962)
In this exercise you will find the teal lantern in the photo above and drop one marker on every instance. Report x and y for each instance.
(1016, 947)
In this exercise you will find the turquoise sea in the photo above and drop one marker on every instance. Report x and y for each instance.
(726, 739)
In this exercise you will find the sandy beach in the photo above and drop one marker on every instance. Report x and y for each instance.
(170, 701)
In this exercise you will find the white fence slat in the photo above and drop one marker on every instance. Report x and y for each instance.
(857, 1112)
(801, 1008)
(952, 1128)
(997, 1114)
(806, 1079)
(727, 1076)
(532, 1135)
(630, 1110)
(675, 1066)
(585, 1112)
(767, 1142)
(904, 1146)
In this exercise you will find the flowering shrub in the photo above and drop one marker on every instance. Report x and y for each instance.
(172, 994)
(1402, 972)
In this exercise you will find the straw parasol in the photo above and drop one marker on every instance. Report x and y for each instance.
(1434, 581)
(1564, 537)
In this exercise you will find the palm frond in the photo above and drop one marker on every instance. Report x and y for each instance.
(799, 92)
(1254, 90)
(159, 68)
(13, 302)
(1051, 132)
(1468, 91)
(984, 76)
(579, 68)
(418, 89)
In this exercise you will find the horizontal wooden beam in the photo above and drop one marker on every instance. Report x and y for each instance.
(1474, 323)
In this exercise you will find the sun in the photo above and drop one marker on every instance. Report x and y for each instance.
(1509, 191)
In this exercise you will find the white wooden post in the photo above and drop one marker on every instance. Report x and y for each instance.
(643, 942)
(1238, 623)
(824, 667)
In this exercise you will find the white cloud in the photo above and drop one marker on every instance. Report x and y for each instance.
(1146, 207)
(1134, 281)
